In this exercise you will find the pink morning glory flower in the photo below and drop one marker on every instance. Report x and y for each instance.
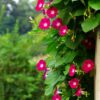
(72, 70)
(44, 23)
(73, 83)
(41, 65)
(52, 12)
(40, 4)
(57, 23)
(63, 30)
(87, 66)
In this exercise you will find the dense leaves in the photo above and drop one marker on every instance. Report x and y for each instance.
(19, 79)
(71, 46)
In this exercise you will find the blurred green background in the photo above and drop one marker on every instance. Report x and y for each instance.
(19, 79)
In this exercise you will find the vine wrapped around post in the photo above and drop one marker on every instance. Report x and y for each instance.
(69, 26)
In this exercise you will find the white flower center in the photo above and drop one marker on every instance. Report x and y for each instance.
(89, 65)
(41, 65)
(58, 24)
(45, 24)
(64, 31)
(46, 75)
(73, 70)
(57, 98)
(40, 5)
(74, 83)
(52, 12)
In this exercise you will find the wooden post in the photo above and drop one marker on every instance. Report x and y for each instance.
(97, 62)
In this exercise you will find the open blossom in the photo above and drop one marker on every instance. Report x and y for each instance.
(44, 23)
(73, 83)
(57, 23)
(87, 66)
(40, 4)
(57, 97)
(63, 30)
(41, 65)
(78, 92)
(52, 12)
(72, 70)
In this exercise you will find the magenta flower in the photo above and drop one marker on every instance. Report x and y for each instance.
(45, 73)
(41, 65)
(39, 5)
(72, 70)
(87, 66)
(44, 11)
(52, 12)
(63, 30)
(78, 92)
(56, 92)
(44, 23)
(57, 23)
(57, 97)
(73, 83)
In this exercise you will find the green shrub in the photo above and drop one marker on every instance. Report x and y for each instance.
(18, 78)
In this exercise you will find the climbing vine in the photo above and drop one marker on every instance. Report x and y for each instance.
(70, 27)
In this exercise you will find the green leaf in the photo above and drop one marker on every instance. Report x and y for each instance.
(73, 45)
(95, 4)
(67, 98)
(66, 2)
(61, 78)
(56, 78)
(83, 1)
(51, 63)
(74, 0)
(1, 91)
(79, 12)
(52, 78)
(69, 56)
(66, 69)
(59, 61)
(56, 1)
(91, 23)
(62, 13)
(48, 90)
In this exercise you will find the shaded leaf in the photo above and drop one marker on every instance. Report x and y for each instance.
(56, 1)
(66, 69)
(52, 77)
(95, 4)
(91, 23)
(48, 90)
(66, 58)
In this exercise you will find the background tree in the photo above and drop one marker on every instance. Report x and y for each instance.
(16, 11)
